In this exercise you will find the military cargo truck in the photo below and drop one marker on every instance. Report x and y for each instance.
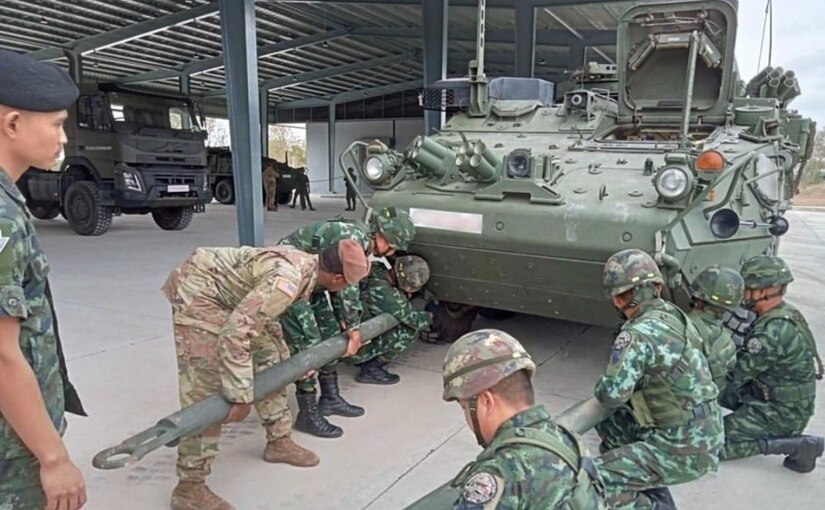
(128, 152)
(519, 200)
(222, 184)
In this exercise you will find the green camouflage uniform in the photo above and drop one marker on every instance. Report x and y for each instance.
(225, 305)
(717, 345)
(530, 462)
(307, 323)
(379, 296)
(520, 476)
(772, 387)
(23, 271)
(668, 427)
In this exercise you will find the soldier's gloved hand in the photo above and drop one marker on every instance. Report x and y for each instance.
(353, 342)
(429, 336)
(238, 412)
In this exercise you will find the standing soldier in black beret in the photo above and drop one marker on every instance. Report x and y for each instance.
(35, 469)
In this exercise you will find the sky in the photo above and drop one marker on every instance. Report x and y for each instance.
(798, 45)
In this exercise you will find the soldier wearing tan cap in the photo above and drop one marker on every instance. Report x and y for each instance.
(225, 308)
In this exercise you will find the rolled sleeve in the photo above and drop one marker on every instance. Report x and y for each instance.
(13, 302)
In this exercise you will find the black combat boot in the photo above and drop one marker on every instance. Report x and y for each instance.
(661, 498)
(310, 419)
(331, 401)
(373, 372)
(801, 451)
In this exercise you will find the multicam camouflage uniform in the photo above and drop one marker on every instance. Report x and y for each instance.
(530, 462)
(270, 178)
(719, 289)
(23, 271)
(225, 304)
(772, 387)
(667, 429)
(379, 295)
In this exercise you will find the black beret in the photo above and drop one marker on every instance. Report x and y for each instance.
(35, 86)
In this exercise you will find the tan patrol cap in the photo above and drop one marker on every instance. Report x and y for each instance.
(354, 261)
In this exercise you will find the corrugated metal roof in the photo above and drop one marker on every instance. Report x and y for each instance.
(31, 25)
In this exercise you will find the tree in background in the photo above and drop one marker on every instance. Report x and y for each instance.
(288, 141)
(815, 170)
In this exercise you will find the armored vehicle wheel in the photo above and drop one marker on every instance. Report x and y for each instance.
(45, 212)
(284, 196)
(83, 210)
(495, 314)
(225, 192)
(173, 218)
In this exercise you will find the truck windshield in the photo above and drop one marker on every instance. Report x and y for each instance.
(157, 112)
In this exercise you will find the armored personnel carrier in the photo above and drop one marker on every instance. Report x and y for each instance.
(520, 199)
(222, 183)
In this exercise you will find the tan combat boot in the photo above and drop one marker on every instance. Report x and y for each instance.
(285, 450)
(197, 496)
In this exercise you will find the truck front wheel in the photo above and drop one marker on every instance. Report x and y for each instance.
(173, 218)
(44, 212)
(225, 192)
(83, 210)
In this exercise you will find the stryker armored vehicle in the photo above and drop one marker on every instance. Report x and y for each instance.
(128, 152)
(222, 183)
(519, 200)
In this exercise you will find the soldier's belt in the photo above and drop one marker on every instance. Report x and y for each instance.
(767, 393)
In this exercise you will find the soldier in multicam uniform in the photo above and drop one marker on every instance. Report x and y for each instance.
(389, 291)
(772, 387)
(305, 324)
(225, 308)
(270, 178)
(528, 461)
(668, 426)
(35, 469)
(714, 291)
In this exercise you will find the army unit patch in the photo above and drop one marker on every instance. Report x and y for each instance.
(287, 287)
(622, 340)
(480, 488)
(754, 346)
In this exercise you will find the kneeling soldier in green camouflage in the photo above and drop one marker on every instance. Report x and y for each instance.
(528, 461)
(667, 428)
(389, 291)
(713, 292)
(772, 387)
(225, 308)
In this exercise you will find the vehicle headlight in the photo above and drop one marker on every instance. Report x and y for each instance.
(376, 169)
(518, 163)
(673, 183)
(131, 181)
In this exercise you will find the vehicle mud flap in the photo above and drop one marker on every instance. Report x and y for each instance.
(72, 402)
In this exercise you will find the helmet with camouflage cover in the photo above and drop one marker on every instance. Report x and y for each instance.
(629, 269)
(764, 271)
(395, 225)
(411, 273)
(481, 359)
(719, 286)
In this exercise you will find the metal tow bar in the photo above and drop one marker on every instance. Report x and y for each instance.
(201, 415)
(578, 418)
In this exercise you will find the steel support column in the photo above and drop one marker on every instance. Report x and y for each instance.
(264, 116)
(184, 84)
(331, 141)
(241, 61)
(75, 65)
(525, 40)
(434, 18)
(575, 59)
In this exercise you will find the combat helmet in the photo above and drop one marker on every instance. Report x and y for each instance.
(719, 286)
(629, 269)
(764, 271)
(395, 225)
(481, 359)
(411, 273)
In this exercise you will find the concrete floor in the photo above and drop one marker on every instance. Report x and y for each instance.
(117, 334)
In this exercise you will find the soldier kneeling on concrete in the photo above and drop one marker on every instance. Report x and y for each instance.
(225, 308)
(528, 461)
(772, 387)
(389, 291)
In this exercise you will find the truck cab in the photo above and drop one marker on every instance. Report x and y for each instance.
(128, 152)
